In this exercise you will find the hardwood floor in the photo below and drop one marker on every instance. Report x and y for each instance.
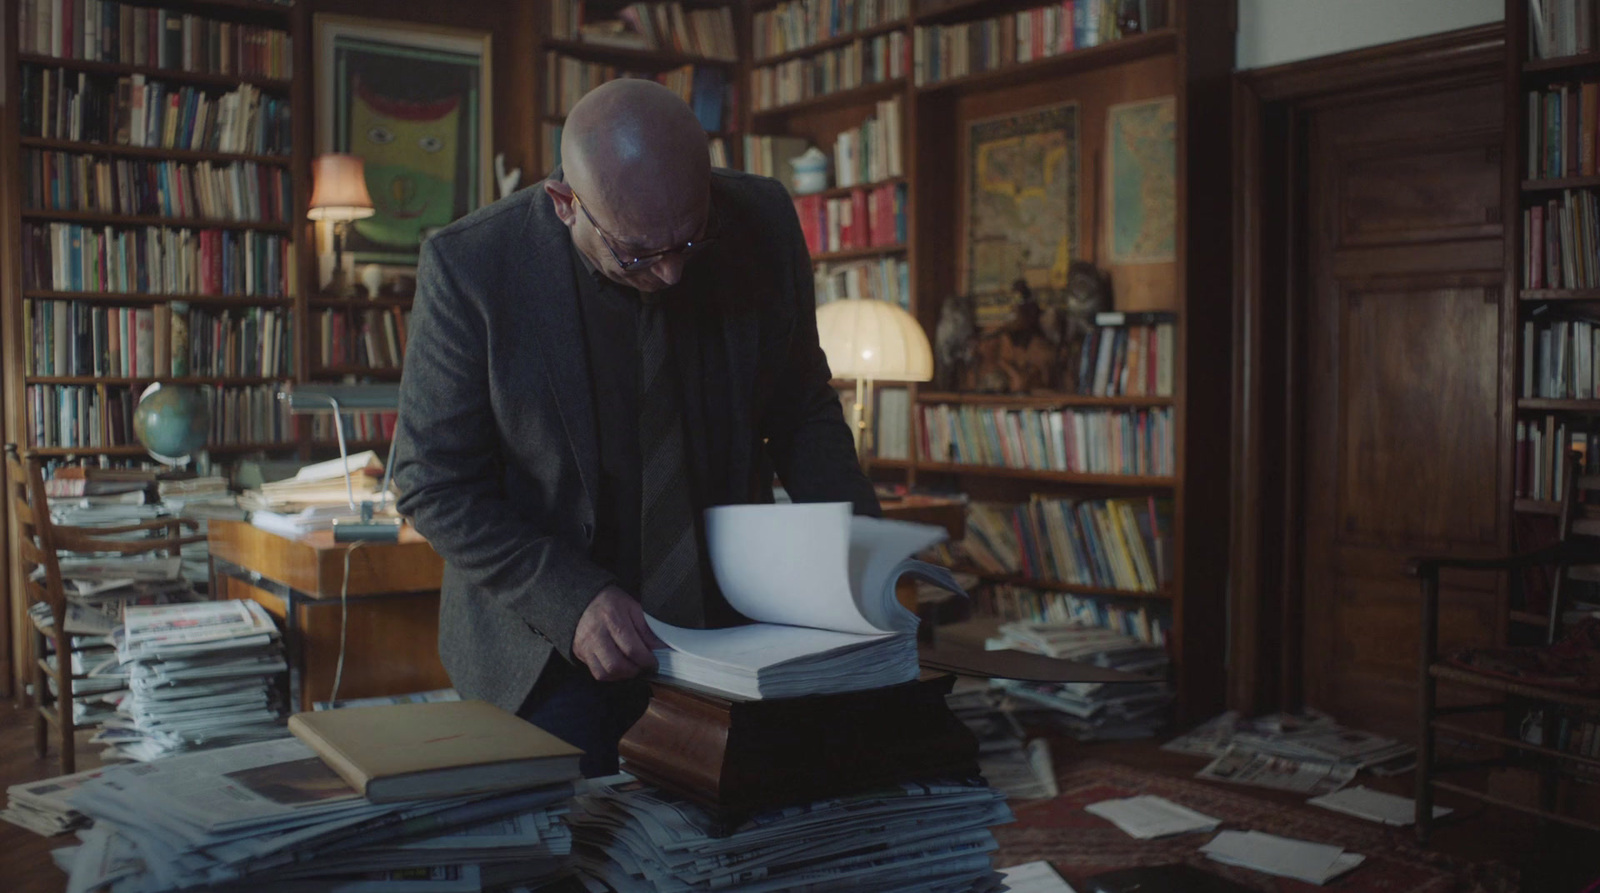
(1551, 859)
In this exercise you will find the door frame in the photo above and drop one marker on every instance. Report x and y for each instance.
(1271, 108)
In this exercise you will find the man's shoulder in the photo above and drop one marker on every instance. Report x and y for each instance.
(757, 192)
(493, 222)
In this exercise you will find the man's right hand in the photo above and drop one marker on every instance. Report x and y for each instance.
(612, 638)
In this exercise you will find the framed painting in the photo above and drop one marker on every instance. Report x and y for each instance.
(414, 102)
(1022, 208)
(1142, 182)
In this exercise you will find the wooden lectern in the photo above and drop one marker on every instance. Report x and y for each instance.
(736, 756)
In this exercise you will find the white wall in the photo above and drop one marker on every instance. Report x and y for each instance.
(1276, 31)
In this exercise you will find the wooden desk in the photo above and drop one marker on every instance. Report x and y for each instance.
(392, 630)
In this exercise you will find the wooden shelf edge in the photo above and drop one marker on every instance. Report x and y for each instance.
(830, 43)
(824, 257)
(107, 297)
(850, 96)
(606, 52)
(201, 78)
(1547, 403)
(1115, 52)
(1070, 588)
(1055, 477)
(152, 152)
(100, 218)
(1560, 63)
(1559, 183)
(1038, 401)
(219, 380)
(1559, 294)
(127, 450)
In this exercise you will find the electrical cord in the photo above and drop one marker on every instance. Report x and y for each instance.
(344, 619)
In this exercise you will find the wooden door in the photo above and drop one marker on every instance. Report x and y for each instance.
(1401, 383)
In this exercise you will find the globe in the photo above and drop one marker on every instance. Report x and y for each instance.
(172, 421)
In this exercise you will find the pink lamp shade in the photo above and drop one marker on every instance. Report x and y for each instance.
(340, 188)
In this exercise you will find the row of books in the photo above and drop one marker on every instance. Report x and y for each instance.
(155, 260)
(797, 24)
(1012, 602)
(891, 438)
(151, 37)
(1542, 445)
(1576, 733)
(1558, 359)
(1561, 130)
(131, 111)
(1083, 441)
(372, 338)
(1109, 543)
(362, 426)
(74, 338)
(857, 64)
(1562, 28)
(708, 31)
(1128, 355)
(705, 88)
(873, 279)
(93, 417)
(872, 152)
(941, 52)
(1560, 245)
(69, 181)
(866, 218)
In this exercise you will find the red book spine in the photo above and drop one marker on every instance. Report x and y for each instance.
(859, 228)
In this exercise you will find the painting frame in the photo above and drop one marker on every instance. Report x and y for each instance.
(993, 300)
(1123, 249)
(460, 60)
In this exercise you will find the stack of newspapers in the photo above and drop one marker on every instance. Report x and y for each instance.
(198, 675)
(1089, 711)
(98, 589)
(273, 816)
(44, 807)
(1020, 768)
(928, 838)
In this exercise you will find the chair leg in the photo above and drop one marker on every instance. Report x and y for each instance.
(64, 705)
(41, 692)
(1425, 759)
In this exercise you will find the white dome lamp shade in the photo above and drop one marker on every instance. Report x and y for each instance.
(870, 340)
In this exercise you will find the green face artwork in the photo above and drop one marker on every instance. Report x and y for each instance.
(410, 150)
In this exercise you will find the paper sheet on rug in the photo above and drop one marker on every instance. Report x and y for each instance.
(1377, 806)
(1149, 816)
(1314, 863)
(1035, 877)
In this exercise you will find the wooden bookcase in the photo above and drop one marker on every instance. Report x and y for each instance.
(17, 215)
(1190, 59)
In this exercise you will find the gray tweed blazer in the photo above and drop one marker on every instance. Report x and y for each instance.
(497, 455)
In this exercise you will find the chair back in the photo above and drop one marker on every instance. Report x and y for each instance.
(36, 544)
(1578, 532)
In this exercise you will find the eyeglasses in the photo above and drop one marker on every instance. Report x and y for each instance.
(643, 261)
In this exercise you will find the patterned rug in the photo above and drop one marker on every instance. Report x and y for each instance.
(1080, 845)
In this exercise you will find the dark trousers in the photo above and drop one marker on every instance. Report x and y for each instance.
(593, 716)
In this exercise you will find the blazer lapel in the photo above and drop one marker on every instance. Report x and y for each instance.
(554, 312)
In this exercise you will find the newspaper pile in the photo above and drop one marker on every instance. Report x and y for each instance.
(928, 838)
(43, 807)
(272, 815)
(99, 589)
(1089, 711)
(318, 495)
(1021, 769)
(1308, 753)
(198, 675)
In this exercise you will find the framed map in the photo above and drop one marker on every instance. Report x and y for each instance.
(1022, 208)
(1142, 175)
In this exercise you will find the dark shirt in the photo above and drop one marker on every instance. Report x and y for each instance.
(611, 331)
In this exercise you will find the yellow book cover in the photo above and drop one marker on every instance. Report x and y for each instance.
(431, 750)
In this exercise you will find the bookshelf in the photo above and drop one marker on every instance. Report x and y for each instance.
(154, 200)
(1185, 56)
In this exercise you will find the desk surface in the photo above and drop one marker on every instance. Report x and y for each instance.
(313, 565)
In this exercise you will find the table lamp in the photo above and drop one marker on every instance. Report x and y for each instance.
(339, 195)
(870, 340)
(317, 399)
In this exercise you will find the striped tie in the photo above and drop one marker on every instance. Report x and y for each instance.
(669, 551)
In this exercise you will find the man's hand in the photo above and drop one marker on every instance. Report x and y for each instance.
(612, 638)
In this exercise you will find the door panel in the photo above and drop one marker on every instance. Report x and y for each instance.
(1401, 385)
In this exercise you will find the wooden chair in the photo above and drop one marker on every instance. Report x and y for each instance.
(1511, 691)
(39, 542)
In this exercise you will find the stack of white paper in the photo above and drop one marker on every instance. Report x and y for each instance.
(199, 675)
(1093, 711)
(271, 815)
(926, 838)
(1022, 770)
(1376, 806)
(44, 807)
(1314, 863)
(820, 585)
(1149, 816)
(1034, 877)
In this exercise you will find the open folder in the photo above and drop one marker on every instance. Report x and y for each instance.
(819, 585)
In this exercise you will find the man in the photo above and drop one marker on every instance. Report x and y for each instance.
(591, 363)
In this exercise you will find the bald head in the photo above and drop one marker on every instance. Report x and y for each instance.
(636, 154)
